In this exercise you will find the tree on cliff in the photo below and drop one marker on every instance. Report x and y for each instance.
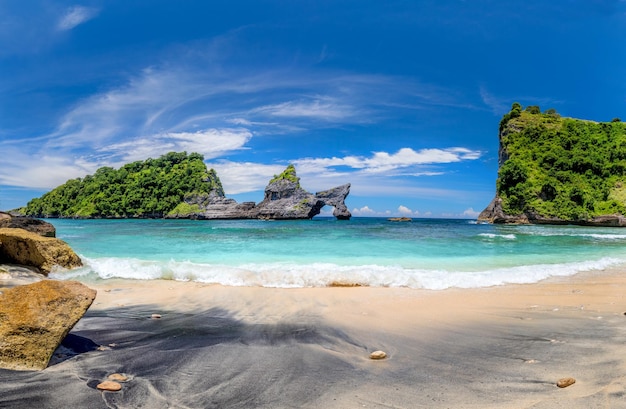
(561, 168)
(147, 188)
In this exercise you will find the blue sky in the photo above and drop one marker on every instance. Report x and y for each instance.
(400, 98)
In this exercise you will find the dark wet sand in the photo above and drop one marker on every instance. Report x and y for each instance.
(225, 347)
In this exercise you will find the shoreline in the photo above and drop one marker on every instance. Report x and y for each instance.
(217, 346)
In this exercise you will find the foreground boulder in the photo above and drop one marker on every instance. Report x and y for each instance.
(27, 223)
(35, 318)
(19, 246)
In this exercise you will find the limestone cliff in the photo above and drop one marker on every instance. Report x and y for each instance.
(555, 170)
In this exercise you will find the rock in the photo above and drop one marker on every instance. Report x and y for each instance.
(33, 225)
(19, 246)
(565, 382)
(117, 377)
(35, 318)
(378, 355)
(283, 199)
(155, 316)
(109, 386)
(400, 219)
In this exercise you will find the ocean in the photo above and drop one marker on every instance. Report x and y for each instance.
(425, 253)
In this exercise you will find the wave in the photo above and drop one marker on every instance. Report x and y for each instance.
(494, 236)
(289, 275)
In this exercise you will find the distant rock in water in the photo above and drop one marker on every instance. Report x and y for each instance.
(284, 199)
(555, 170)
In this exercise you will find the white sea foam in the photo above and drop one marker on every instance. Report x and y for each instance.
(495, 236)
(289, 275)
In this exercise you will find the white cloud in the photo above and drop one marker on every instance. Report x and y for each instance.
(363, 211)
(471, 213)
(326, 109)
(43, 171)
(405, 210)
(75, 16)
(242, 177)
(381, 162)
(210, 142)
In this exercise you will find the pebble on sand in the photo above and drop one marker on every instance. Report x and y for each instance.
(109, 386)
(378, 355)
(565, 382)
(117, 377)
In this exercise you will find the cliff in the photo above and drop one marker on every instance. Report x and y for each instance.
(284, 198)
(555, 170)
(149, 188)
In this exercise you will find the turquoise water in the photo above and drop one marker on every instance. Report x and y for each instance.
(425, 253)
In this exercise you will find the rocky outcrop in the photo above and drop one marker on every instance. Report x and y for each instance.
(34, 225)
(19, 246)
(336, 197)
(494, 213)
(35, 318)
(284, 199)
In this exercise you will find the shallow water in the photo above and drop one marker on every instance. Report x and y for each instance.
(424, 253)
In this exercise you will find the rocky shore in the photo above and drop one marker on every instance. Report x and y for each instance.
(36, 314)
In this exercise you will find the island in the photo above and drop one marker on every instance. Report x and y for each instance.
(556, 170)
(179, 185)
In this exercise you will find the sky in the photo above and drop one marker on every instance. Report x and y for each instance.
(402, 99)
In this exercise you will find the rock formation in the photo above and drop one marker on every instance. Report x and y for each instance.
(284, 198)
(19, 246)
(35, 318)
(557, 170)
(34, 225)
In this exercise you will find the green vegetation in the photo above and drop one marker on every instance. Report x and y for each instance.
(288, 174)
(150, 188)
(561, 167)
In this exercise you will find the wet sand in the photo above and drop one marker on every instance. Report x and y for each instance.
(229, 347)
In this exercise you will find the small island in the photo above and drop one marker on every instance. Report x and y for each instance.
(555, 170)
(179, 185)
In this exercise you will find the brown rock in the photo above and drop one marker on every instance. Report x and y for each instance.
(117, 377)
(23, 247)
(109, 386)
(27, 223)
(35, 318)
(378, 355)
(565, 382)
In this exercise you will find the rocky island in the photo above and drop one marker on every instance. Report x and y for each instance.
(555, 170)
(178, 185)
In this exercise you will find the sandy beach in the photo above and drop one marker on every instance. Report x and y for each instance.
(252, 347)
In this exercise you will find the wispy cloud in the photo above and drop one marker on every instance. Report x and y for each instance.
(75, 16)
(210, 142)
(381, 162)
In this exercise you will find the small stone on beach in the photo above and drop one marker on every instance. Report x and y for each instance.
(117, 377)
(109, 386)
(565, 382)
(378, 355)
